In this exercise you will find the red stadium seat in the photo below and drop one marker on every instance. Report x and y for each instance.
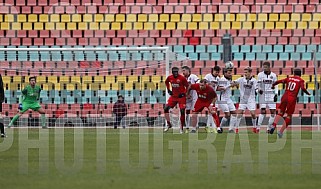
(103, 9)
(150, 41)
(117, 41)
(288, 8)
(91, 9)
(138, 41)
(315, 40)
(216, 41)
(88, 33)
(110, 33)
(209, 33)
(128, 41)
(71, 41)
(194, 41)
(143, 33)
(99, 33)
(271, 40)
(83, 41)
(294, 41)
(159, 41)
(173, 41)
(198, 33)
(205, 41)
(122, 33)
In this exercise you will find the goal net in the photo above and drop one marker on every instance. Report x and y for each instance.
(80, 86)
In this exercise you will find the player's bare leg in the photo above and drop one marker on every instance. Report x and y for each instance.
(284, 126)
(276, 120)
(256, 129)
(167, 117)
(43, 118)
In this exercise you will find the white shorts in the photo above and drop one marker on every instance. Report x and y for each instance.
(250, 106)
(271, 106)
(227, 106)
(190, 104)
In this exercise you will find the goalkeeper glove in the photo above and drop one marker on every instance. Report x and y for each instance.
(181, 95)
(275, 98)
(20, 107)
(170, 92)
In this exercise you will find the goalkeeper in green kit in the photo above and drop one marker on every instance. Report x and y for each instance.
(30, 100)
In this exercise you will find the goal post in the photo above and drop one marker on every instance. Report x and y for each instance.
(80, 85)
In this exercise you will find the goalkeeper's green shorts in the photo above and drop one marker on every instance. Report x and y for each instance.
(26, 106)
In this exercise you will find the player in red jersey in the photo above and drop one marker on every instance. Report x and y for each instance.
(176, 85)
(206, 96)
(289, 98)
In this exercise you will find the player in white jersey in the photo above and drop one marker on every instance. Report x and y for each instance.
(191, 79)
(248, 87)
(213, 79)
(225, 102)
(267, 96)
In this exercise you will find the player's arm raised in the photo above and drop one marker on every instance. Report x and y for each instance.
(278, 82)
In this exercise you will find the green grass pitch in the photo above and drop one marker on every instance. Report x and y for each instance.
(148, 158)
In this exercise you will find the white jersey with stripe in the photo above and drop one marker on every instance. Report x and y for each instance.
(212, 80)
(225, 95)
(192, 79)
(247, 89)
(265, 82)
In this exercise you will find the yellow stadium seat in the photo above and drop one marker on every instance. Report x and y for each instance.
(181, 26)
(156, 78)
(192, 26)
(186, 18)
(110, 79)
(60, 26)
(208, 17)
(230, 17)
(114, 86)
(306, 78)
(282, 76)
(269, 25)
(99, 18)
(54, 18)
(132, 78)
(76, 18)
(64, 79)
(131, 18)
(75, 79)
(284, 17)
(138, 26)
(50, 26)
(203, 26)
(120, 18)
(313, 25)
(219, 17)
(70, 86)
(5, 26)
(8, 18)
(99, 78)
(214, 25)
(197, 18)
(153, 18)
(302, 25)
(164, 18)
(16, 26)
(148, 26)
(104, 26)
(142, 18)
(87, 18)
(236, 25)
(87, 79)
(175, 18)
(306, 17)
(262, 17)
(32, 18)
(65, 18)
(94, 26)
(22, 18)
(311, 86)
(71, 26)
(295, 17)
(240, 17)
(105, 87)
(27, 26)
(82, 26)
(159, 26)
(235, 77)
(109, 18)
(317, 17)
(43, 18)
(128, 86)
(128, 26)
(17, 79)
(274, 17)
(258, 25)
(1, 18)
(290, 25)
(53, 79)
(247, 25)
(6, 79)
(170, 25)
(225, 25)
(251, 17)
(41, 79)
(144, 79)
(115, 26)
(121, 78)
(280, 25)
(38, 26)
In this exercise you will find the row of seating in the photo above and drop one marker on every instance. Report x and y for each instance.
(148, 9)
(66, 18)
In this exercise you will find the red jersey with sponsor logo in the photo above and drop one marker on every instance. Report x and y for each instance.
(179, 84)
(207, 95)
(293, 86)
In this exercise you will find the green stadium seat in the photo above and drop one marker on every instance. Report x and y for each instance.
(112, 56)
(79, 56)
(278, 48)
(181, 56)
(204, 56)
(193, 56)
(295, 56)
(307, 56)
(245, 48)
(147, 56)
(249, 56)
(272, 56)
(212, 48)
(235, 49)
(220, 49)
(300, 48)
(70, 100)
(200, 49)
(311, 48)
(318, 56)
(257, 48)
(178, 48)
(189, 49)
(283, 56)
(267, 48)
(216, 56)
(238, 56)
(289, 48)
(261, 56)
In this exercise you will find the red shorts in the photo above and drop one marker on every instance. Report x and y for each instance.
(287, 105)
(199, 106)
(172, 101)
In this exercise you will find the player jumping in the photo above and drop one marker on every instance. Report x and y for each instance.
(190, 102)
(289, 98)
(206, 96)
(248, 87)
(267, 96)
(176, 85)
(30, 100)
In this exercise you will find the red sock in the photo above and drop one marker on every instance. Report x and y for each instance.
(276, 120)
(182, 118)
(217, 120)
(287, 122)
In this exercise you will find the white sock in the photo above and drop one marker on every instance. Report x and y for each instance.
(232, 122)
(210, 121)
(254, 123)
(261, 118)
(187, 121)
(271, 120)
(238, 122)
(223, 122)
